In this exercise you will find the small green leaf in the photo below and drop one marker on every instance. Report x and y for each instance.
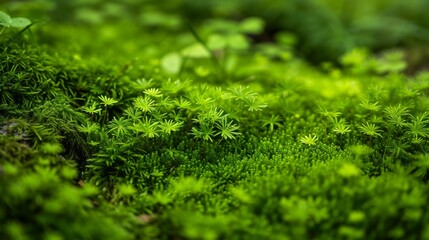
(370, 129)
(227, 130)
(216, 42)
(153, 92)
(238, 42)
(252, 25)
(146, 104)
(196, 51)
(172, 62)
(169, 126)
(20, 22)
(310, 139)
(107, 101)
(254, 105)
(5, 19)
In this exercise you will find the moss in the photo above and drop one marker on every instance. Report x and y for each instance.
(115, 139)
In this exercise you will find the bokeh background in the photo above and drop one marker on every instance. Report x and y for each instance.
(323, 30)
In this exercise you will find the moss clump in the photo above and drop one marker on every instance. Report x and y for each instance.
(156, 131)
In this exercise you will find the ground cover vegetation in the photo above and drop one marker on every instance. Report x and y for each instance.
(214, 120)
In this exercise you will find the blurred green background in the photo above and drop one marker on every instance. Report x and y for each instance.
(324, 29)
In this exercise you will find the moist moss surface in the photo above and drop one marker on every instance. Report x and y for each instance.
(174, 128)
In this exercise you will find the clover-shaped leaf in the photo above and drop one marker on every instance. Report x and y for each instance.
(7, 21)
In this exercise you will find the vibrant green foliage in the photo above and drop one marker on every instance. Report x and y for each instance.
(6, 21)
(144, 125)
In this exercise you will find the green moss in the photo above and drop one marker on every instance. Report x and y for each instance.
(155, 131)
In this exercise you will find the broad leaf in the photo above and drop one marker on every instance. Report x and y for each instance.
(238, 42)
(216, 42)
(252, 25)
(172, 63)
(5, 19)
(196, 51)
(20, 22)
